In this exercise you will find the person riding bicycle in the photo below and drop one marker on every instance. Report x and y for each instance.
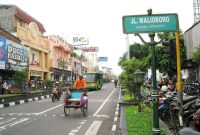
(80, 83)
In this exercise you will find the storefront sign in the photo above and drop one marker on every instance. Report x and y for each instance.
(35, 73)
(17, 56)
(2, 52)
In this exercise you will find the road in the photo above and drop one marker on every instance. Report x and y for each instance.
(46, 118)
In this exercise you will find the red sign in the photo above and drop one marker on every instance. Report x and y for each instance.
(90, 49)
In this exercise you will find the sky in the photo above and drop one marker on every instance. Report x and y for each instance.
(100, 20)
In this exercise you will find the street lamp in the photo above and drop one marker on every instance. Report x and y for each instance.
(138, 76)
(138, 79)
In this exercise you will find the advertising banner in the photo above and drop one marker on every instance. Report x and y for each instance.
(103, 59)
(90, 49)
(2, 52)
(80, 41)
(17, 56)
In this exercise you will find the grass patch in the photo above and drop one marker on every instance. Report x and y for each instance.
(9, 95)
(127, 97)
(38, 91)
(138, 123)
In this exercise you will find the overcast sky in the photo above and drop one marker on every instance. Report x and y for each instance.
(100, 20)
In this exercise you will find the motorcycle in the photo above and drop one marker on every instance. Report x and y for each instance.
(56, 94)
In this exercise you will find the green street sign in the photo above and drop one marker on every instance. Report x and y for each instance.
(150, 23)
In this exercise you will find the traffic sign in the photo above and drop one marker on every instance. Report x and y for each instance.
(150, 23)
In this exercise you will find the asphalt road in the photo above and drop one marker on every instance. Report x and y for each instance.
(46, 118)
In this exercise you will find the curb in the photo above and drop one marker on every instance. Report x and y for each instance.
(23, 101)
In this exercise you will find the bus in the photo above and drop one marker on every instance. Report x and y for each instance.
(94, 80)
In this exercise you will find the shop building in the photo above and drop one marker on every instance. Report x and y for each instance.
(13, 55)
(30, 32)
(60, 59)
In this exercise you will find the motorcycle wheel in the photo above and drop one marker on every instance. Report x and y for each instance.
(53, 98)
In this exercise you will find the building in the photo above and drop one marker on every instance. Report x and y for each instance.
(192, 40)
(13, 55)
(60, 59)
(30, 32)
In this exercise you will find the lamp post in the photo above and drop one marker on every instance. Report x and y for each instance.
(138, 79)
(152, 43)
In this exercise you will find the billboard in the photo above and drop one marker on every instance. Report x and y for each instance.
(102, 59)
(17, 56)
(3, 55)
(80, 41)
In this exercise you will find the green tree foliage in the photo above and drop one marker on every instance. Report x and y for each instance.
(139, 51)
(126, 78)
(19, 77)
(166, 63)
(141, 58)
(196, 55)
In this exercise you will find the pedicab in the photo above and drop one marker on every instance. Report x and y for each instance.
(76, 99)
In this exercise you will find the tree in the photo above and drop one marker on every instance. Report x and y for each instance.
(19, 79)
(196, 55)
(139, 51)
(126, 78)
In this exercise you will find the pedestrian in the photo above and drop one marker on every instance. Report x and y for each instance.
(5, 87)
(116, 81)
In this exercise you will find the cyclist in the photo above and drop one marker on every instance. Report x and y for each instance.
(80, 83)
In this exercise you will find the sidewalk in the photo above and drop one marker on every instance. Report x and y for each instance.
(22, 101)
(123, 125)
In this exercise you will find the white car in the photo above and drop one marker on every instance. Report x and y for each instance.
(112, 81)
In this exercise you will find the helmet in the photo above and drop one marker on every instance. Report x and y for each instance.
(164, 88)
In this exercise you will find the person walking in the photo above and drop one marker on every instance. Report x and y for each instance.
(5, 87)
(116, 81)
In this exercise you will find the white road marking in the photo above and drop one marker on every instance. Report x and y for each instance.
(93, 129)
(105, 116)
(115, 119)
(13, 123)
(104, 102)
(6, 121)
(74, 131)
(114, 127)
(49, 109)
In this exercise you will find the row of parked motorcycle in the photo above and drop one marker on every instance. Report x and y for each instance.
(169, 107)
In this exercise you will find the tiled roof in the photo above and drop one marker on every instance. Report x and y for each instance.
(27, 18)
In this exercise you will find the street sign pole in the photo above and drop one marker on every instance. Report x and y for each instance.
(152, 23)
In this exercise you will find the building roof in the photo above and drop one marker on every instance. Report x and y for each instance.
(194, 24)
(24, 16)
